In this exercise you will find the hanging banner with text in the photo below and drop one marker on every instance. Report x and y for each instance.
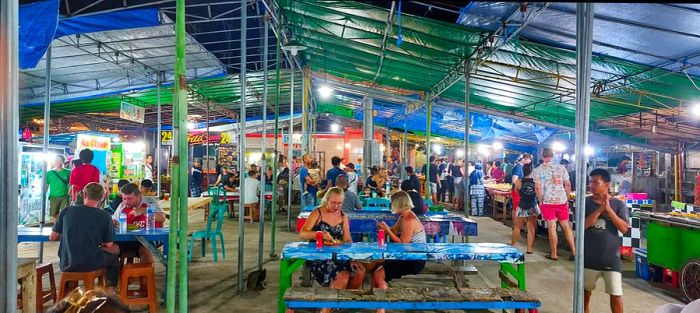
(199, 138)
(132, 112)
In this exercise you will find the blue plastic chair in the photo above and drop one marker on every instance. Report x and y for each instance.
(217, 212)
(378, 202)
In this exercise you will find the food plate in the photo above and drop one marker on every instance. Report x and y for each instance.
(332, 243)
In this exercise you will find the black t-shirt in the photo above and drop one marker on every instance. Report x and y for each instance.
(415, 182)
(434, 172)
(418, 202)
(528, 196)
(455, 171)
(83, 231)
(601, 240)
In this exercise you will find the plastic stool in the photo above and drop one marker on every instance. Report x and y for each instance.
(73, 278)
(141, 271)
(250, 208)
(42, 296)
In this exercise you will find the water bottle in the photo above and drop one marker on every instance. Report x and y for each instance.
(388, 187)
(122, 222)
(150, 219)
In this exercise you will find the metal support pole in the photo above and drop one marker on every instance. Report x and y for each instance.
(158, 133)
(273, 253)
(428, 122)
(45, 147)
(9, 117)
(405, 151)
(304, 114)
(290, 150)
(467, 122)
(241, 144)
(206, 175)
(261, 239)
(584, 42)
(368, 136)
(179, 177)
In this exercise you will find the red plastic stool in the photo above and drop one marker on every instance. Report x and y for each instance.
(671, 278)
(70, 281)
(141, 271)
(44, 296)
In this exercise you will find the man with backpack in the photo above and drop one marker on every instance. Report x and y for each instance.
(57, 180)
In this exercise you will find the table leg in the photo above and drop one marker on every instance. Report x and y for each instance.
(517, 271)
(153, 250)
(29, 292)
(287, 269)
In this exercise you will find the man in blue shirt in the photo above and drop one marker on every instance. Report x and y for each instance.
(333, 173)
(309, 187)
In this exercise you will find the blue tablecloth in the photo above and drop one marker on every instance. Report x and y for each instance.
(435, 225)
(497, 252)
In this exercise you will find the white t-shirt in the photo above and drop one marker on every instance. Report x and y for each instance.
(252, 190)
(551, 178)
(352, 181)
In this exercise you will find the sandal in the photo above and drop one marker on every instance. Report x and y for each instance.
(549, 256)
(528, 252)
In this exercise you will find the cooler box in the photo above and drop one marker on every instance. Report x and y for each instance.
(641, 264)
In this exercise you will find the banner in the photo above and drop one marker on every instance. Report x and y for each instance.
(95, 143)
(198, 138)
(132, 112)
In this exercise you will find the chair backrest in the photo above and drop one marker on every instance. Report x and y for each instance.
(378, 202)
(219, 195)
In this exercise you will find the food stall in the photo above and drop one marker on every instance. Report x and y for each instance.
(500, 196)
(30, 179)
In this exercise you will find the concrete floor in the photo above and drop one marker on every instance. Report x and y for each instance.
(212, 286)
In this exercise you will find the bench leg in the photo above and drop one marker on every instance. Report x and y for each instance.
(287, 269)
(517, 271)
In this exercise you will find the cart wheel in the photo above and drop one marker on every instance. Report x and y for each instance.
(690, 280)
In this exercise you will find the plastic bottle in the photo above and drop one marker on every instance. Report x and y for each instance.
(388, 187)
(381, 238)
(319, 239)
(122, 223)
(150, 219)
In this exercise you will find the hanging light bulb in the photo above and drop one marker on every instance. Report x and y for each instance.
(325, 92)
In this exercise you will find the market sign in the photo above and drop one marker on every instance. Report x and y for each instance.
(296, 138)
(132, 112)
(98, 143)
(198, 138)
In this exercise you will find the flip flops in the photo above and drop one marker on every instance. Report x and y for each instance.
(549, 256)
(528, 252)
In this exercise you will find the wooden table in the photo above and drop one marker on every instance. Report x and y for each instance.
(500, 200)
(145, 237)
(194, 203)
(26, 274)
(438, 225)
(512, 261)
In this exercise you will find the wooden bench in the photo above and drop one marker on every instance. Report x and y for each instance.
(434, 298)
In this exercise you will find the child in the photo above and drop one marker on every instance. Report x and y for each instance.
(147, 188)
(315, 173)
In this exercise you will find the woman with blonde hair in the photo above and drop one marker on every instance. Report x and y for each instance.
(330, 219)
(408, 229)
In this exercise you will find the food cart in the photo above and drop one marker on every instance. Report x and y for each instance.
(672, 243)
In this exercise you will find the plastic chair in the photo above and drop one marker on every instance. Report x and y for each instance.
(218, 196)
(210, 234)
(378, 202)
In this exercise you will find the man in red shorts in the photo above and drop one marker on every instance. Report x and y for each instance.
(553, 187)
